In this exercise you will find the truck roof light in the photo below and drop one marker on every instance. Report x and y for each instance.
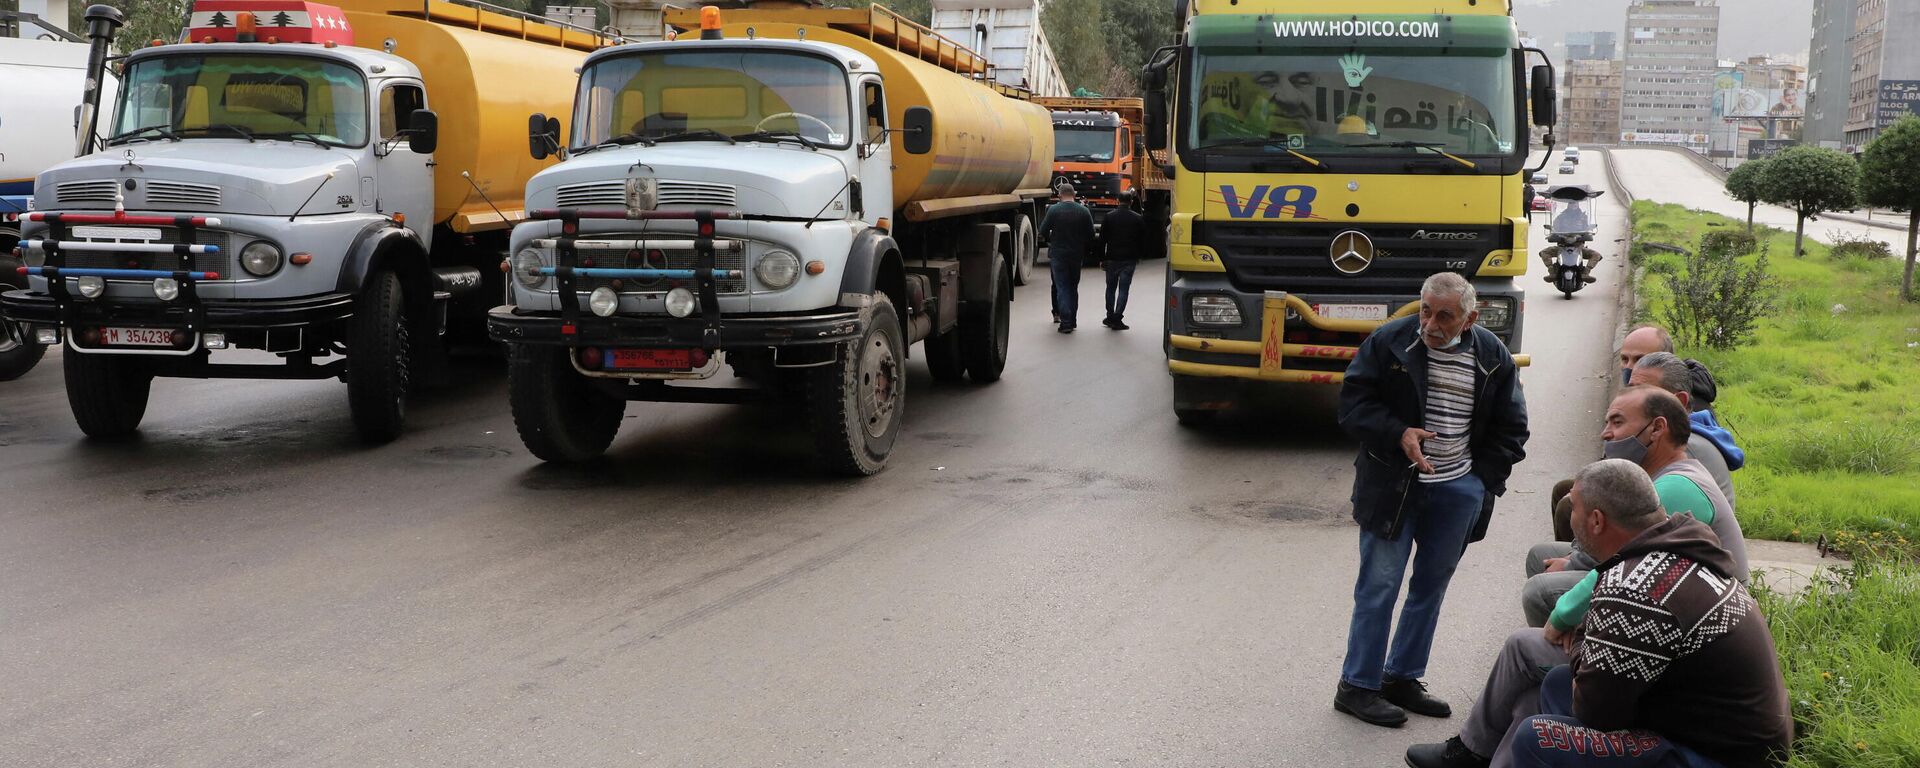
(155, 43)
(709, 22)
(243, 27)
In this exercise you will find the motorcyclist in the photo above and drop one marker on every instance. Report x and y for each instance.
(1572, 220)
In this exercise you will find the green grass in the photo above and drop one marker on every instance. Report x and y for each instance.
(1827, 406)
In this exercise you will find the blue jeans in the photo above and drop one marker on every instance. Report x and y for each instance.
(1439, 525)
(1066, 286)
(1119, 279)
(1556, 738)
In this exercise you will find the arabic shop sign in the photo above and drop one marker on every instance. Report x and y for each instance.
(1270, 32)
(1898, 98)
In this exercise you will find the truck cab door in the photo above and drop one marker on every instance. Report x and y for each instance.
(876, 156)
(403, 178)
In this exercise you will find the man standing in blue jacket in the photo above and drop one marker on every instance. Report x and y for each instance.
(1436, 404)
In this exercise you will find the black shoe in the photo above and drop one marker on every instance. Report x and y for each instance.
(1117, 325)
(1412, 696)
(1065, 329)
(1368, 706)
(1056, 315)
(1590, 279)
(1452, 754)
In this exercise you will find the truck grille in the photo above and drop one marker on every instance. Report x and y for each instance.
(1294, 257)
(165, 193)
(622, 259)
(203, 262)
(1090, 183)
(101, 191)
(614, 193)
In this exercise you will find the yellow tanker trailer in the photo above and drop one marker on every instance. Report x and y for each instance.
(799, 194)
(281, 181)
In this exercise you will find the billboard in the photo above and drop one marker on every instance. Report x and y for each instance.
(1898, 98)
(1761, 149)
(1644, 137)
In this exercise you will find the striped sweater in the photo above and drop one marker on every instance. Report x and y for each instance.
(1450, 395)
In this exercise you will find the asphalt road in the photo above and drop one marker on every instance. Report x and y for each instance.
(1051, 572)
(1670, 177)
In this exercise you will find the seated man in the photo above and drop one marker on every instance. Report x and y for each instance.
(1639, 342)
(1605, 494)
(1557, 594)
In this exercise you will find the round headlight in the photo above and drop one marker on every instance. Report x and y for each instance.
(603, 301)
(92, 287)
(166, 288)
(526, 268)
(680, 302)
(777, 269)
(260, 258)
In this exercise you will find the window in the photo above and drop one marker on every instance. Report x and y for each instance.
(876, 105)
(397, 103)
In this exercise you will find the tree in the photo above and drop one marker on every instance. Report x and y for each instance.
(1811, 181)
(1744, 185)
(1890, 176)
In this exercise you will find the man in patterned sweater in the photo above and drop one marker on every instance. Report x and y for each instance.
(1675, 666)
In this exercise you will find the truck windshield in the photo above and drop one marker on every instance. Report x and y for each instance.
(1084, 145)
(1334, 103)
(646, 96)
(243, 96)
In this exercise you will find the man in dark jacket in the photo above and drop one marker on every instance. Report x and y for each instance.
(1435, 402)
(1124, 233)
(1068, 230)
(1674, 664)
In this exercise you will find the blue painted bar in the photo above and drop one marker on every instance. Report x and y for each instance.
(643, 274)
(118, 274)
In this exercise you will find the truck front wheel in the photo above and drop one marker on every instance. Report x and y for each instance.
(18, 354)
(855, 406)
(377, 359)
(108, 393)
(984, 328)
(560, 415)
(1028, 250)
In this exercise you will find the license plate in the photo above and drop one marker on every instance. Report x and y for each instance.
(136, 337)
(116, 233)
(1351, 311)
(652, 359)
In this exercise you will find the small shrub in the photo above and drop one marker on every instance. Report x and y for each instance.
(1847, 246)
(1815, 328)
(1717, 302)
(1729, 243)
(1863, 449)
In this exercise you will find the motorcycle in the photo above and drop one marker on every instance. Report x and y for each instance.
(1571, 228)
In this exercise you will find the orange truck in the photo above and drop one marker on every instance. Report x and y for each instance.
(1099, 149)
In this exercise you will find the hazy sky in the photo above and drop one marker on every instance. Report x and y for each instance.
(1747, 27)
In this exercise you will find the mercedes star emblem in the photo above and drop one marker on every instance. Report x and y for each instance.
(1351, 252)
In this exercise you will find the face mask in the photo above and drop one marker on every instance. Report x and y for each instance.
(1626, 377)
(1629, 447)
(1451, 343)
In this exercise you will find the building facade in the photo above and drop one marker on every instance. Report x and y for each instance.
(1592, 113)
(1590, 45)
(1667, 78)
(1829, 93)
(1885, 82)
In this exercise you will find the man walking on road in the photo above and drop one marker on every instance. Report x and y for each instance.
(1068, 230)
(1124, 232)
(1436, 404)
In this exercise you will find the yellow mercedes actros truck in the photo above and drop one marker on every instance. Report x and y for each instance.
(1324, 165)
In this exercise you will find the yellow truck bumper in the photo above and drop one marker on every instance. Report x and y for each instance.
(1270, 353)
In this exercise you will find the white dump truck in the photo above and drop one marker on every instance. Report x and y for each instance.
(801, 194)
(270, 185)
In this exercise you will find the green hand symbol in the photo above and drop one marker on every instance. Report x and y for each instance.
(1354, 66)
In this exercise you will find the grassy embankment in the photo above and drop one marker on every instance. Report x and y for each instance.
(1827, 406)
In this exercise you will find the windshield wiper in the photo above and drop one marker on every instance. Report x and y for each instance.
(625, 139)
(777, 136)
(1273, 143)
(302, 135)
(695, 135)
(163, 129)
(1431, 146)
(210, 127)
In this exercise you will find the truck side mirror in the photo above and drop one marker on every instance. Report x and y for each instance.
(423, 127)
(1545, 98)
(1156, 119)
(917, 126)
(542, 139)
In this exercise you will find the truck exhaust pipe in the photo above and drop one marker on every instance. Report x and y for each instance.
(103, 21)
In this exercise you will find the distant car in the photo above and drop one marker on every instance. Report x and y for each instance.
(1538, 178)
(1540, 203)
(1566, 167)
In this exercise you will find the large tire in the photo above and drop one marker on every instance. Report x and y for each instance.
(561, 416)
(985, 328)
(855, 406)
(378, 360)
(1027, 250)
(944, 356)
(18, 354)
(108, 393)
